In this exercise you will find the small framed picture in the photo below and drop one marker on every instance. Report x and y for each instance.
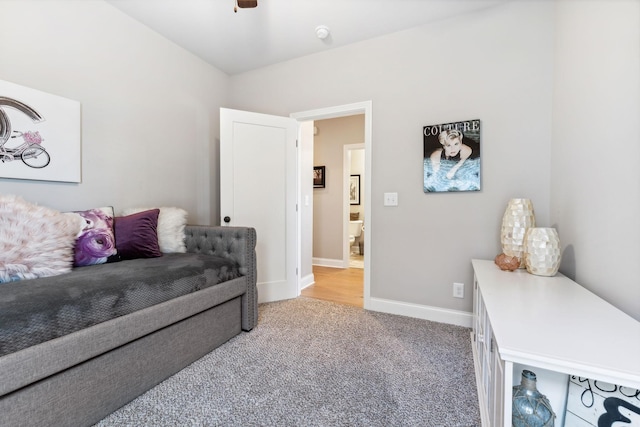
(354, 190)
(318, 177)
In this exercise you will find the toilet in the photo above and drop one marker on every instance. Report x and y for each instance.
(355, 230)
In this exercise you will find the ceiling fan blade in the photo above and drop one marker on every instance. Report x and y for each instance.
(245, 4)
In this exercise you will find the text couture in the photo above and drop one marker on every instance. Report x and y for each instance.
(472, 125)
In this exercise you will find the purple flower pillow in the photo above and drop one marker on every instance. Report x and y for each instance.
(96, 241)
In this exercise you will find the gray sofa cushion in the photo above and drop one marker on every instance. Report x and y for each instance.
(39, 310)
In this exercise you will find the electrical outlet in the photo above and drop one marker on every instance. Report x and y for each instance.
(458, 290)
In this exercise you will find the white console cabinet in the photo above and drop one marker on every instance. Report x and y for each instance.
(550, 325)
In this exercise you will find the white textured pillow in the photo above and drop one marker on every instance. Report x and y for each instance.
(35, 241)
(171, 223)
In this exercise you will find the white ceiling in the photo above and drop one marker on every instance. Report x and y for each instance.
(279, 30)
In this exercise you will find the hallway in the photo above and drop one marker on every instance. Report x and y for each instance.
(340, 285)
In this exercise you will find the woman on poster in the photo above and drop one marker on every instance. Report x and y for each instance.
(452, 149)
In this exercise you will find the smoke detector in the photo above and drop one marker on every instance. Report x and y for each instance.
(322, 32)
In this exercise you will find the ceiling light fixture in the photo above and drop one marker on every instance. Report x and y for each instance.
(245, 4)
(322, 31)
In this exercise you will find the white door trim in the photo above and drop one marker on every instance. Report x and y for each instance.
(365, 108)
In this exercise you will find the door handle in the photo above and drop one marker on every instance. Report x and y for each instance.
(227, 219)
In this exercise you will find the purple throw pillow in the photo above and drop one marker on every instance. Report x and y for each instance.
(96, 241)
(137, 235)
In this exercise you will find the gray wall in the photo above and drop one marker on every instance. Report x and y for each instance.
(595, 192)
(495, 65)
(150, 110)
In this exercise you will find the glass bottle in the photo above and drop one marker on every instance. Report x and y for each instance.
(530, 407)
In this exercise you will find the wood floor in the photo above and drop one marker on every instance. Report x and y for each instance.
(340, 285)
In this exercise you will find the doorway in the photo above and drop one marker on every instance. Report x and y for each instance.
(338, 258)
(305, 264)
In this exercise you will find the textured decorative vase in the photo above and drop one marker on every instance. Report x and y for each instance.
(542, 251)
(517, 218)
(530, 407)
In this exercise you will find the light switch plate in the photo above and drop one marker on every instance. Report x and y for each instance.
(391, 199)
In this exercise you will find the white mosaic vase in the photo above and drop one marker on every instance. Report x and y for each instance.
(542, 251)
(518, 217)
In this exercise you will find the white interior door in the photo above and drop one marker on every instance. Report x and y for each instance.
(258, 183)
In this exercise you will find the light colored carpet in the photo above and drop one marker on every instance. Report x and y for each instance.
(317, 363)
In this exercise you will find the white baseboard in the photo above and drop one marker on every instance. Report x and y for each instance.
(307, 281)
(326, 262)
(435, 314)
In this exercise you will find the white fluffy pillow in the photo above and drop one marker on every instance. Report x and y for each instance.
(35, 241)
(171, 223)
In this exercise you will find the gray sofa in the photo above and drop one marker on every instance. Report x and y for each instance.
(165, 313)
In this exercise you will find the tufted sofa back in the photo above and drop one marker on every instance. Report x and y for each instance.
(237, 244)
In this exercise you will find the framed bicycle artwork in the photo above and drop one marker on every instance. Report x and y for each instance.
(39, 135)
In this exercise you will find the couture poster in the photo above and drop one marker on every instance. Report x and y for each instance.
(452, 156)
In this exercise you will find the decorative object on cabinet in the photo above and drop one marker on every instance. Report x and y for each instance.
(507, 263)
(517, 218)
(542, 251)
(318, 176)
(593, 403)
(530, 407)
(451, 157)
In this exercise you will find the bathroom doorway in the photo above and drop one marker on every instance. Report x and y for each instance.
(355, 179)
